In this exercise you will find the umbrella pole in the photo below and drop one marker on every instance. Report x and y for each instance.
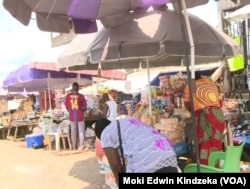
(78, 78)
(45, 101)
(191, 81)
(191, 40)
(149, 90)
(98, 77)
(50, 106)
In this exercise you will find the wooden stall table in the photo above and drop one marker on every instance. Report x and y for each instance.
(89, 120)
(20, 126)
(4, 130)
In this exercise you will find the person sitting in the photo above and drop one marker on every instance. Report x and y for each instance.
(145, 149)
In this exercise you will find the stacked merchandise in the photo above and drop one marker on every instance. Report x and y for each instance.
(171, 90)
(92, 105)
(240, 130)
(142, 113)
(230, 108)
(126, 103)
(172, 128)
(24, 108)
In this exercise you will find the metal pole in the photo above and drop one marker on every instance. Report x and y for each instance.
(149, 90)
(50, 106)
(191, 83)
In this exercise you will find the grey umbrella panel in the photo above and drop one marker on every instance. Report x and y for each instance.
(80, 16)
(154, 35)
(50, 15)
(157, 35)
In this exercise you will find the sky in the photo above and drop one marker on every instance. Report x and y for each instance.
(19, 43)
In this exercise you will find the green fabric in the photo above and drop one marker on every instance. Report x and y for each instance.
(237, 40)
(237, 62)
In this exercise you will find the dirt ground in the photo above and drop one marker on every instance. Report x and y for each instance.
(23, 168)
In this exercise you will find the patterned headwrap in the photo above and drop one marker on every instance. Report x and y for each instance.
(206, 94)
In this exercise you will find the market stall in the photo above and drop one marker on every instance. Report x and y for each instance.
(20, 123)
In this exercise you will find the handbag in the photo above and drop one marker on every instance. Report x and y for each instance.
(120, 146)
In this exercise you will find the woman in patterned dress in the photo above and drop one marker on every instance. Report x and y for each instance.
(210, 121)
(145, 149)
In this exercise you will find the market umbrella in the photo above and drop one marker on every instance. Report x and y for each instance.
(239, 14)
(47, 60)
(75, 53)
(157, 35)
(31, 79)
(80, 16)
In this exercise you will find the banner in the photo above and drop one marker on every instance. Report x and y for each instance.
(217, 180)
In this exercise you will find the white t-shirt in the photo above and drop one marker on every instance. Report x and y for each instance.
(112, 112)
(144, 148)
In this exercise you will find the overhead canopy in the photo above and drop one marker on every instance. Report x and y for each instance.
(66, 15)
(240, 14)
(76, 52)
(48, 60)
(156, 35)
(30, 79)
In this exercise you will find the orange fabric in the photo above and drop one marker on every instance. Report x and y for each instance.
(205, 95)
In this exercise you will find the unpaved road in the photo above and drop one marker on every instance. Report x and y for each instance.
(23, 168)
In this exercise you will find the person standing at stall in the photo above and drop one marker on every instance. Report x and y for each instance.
(109, 111)
(109, 107)
(76, 105)
(210, 120)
